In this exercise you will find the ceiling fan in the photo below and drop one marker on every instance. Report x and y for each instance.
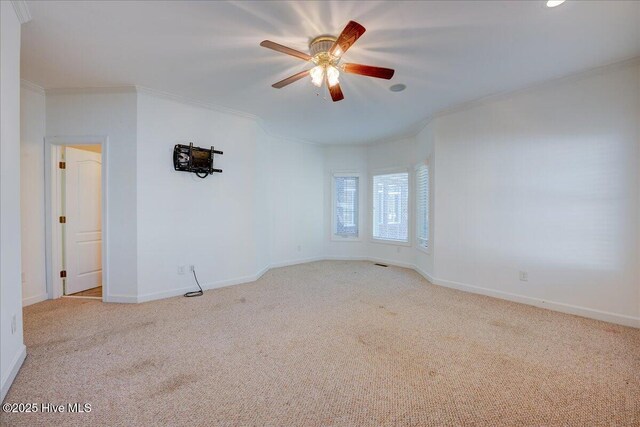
(326, 53)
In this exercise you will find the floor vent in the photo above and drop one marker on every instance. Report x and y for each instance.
(381, 265)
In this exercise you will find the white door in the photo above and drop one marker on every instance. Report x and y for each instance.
(83, 229)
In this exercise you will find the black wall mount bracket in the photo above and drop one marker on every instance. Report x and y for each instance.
(187, 158)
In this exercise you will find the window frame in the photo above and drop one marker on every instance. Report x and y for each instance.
(391, 171)
(419, 247)
(337, 237)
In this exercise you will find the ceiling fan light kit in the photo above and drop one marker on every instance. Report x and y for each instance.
(325, 54)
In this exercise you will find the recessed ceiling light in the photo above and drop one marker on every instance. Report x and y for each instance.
(554, 3)
(398, 87)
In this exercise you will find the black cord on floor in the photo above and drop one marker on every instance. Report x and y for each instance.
(195, 293)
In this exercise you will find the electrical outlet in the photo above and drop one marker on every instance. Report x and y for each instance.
(192, 267)
(299, 248)
(398, 249)
(524, 276)
(24, 277)
(181, 269)
(13, 324)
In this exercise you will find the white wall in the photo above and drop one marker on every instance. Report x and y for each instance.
(367, 160)
(403, 154)
(545, 181)
(161, 219)
(296, 194)
(12, 349)
(32, 132)
(109, 113)
(221, 224)
(425, 151)
(186, 220)
(340, 159)
(385, 157)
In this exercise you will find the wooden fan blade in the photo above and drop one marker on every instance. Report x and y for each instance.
(368, 70)
(283, 49)
(347, 38)
(289, 80)
(336, 92)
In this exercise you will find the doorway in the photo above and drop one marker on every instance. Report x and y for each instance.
(76, 220)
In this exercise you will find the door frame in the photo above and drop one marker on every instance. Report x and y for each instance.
(53, 207)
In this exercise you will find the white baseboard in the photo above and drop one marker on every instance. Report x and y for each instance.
(262, 272)
(370, 259)
(34, 299)
(164, 294)
(211, 285)
(591, 313)
(620, 319)
(345, 258)
(235, 281)
(296, 261)
(16, 363)
(389, 262)
(126, 299)
(380, 261)
(424, 274)
(221, 283)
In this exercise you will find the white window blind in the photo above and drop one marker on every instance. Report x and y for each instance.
(422, 205)
(345, 202)
(390, 207)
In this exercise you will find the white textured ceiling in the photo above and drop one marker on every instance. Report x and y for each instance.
(446, 53)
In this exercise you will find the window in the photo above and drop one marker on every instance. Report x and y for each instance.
(390, 207)
(422, 206)
(345, 205)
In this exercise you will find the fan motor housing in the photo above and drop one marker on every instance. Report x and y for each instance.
(321, 44)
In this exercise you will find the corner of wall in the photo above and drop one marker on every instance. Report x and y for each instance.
(12, 372)
(12, 349)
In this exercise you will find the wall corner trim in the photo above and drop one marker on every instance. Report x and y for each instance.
(15, 366)
(22, 11)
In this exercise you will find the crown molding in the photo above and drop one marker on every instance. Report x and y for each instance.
(89, 90)
(145, 91)
(547, 84)
(26, 84)
(169, 97)
(415, 129)
(195, 102)
(269, 133)
(22, 11)
(217, 108)
(411, 132)
(391, 139)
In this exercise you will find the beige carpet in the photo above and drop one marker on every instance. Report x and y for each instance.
(327, 343)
